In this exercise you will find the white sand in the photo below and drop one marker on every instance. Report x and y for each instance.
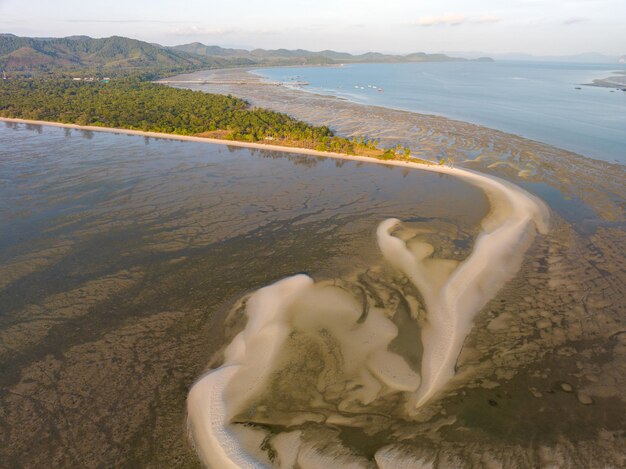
(453, 295)
(210, 404)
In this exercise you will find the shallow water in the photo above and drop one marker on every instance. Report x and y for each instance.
(535, 100)
(125, 265)
(121, 255)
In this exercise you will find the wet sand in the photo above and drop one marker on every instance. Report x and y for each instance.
(134, 283)
(121, 257)
(598, 184)
(532, 362)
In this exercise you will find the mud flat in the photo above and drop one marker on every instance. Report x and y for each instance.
(121, 257)
(452, 293)
(596, 183)
(128, 264)
(546, 356)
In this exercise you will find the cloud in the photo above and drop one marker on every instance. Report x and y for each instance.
(201, 30)
(124, 21)
(450, 19)
(487, 19)
(210, 31)
(455, 19)
(575, 20)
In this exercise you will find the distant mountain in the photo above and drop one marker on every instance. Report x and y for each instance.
(321, 57)
(212, 51)
(113, 54)
(589, 57)
(120, 55)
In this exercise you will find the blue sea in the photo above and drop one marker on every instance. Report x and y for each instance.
(537, 100)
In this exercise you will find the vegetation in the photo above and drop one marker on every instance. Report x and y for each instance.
(112, 56)
(301, 56)
(119, 56)
(130, 103)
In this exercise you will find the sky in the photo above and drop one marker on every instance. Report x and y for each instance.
(540, 27)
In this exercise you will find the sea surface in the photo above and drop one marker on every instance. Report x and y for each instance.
(537, 100)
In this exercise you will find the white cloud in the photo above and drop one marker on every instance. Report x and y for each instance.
(450, 19)
(575, 20)
(487, 19)
(201, 30)
(456, 19)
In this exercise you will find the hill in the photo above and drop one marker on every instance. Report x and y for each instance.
(121, 56)
(112, 55)
(321, 57)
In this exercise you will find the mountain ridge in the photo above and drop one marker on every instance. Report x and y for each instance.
(117, 55)
(330, 56)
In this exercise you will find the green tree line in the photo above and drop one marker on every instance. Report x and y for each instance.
(130, 103)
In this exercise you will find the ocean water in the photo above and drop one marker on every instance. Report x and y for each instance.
(539, 101)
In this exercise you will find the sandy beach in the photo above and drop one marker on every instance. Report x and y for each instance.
(234, 143)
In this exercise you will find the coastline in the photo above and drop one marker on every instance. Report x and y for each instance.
(481, 180)
(508, 231)
(594, 133)
(236, 143)
(192, 138)
(541, 168)
(514, 210)
(564, 274)
(258, 76)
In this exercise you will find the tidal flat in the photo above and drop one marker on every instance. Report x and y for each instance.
(126, 264)
(122, 256)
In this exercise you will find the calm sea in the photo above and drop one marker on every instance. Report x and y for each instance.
(535, 100)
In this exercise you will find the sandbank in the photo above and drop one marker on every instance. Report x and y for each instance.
(470, 175)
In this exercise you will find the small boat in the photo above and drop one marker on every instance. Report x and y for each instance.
(380, 89)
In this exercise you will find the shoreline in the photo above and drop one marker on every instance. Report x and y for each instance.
(576, 274)
(470, 176)
(508, 230)
(566, 178)
(262, 80)
(237, 143)
(515, 212)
